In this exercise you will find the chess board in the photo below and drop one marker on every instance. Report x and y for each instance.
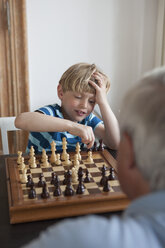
(93, 200)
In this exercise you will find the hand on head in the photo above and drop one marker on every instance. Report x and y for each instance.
(100, 86)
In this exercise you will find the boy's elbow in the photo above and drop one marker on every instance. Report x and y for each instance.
(19, 121)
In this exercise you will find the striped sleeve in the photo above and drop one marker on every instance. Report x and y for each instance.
(94, 121)
(48, 110)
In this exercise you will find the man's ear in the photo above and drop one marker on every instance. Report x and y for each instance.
(129, 150)
(60, 91)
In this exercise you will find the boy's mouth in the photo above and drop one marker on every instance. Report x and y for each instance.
(80, 113)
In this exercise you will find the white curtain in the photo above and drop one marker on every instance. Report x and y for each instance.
(160, 42)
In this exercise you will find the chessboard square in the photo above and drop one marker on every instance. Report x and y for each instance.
(51, 189)
(100, 165)
(48, 179)
(38, 190)
(94, 170)
(91, 185)
(97, 179)
(48, 169)
(95, 174)
(35, 179)
(58, 168)
(114, 183)
(36, 175)
(99, 160)
(89, 166)
(116, 188)
(36, 170)
(94, 191)
(25, 191)
(86, 192)
(47, 174)
(82, 165)
(63, 188)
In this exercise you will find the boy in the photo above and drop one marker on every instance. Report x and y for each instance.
(80, 88)
(141, 171)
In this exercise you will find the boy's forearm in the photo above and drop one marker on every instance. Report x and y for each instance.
(37, 122)
(112, 133)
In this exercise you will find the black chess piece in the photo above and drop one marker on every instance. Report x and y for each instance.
(112, 174)
(32, 192)
(45, 193)
(41, 182)
(30, 181)
(80, 187)
(106, 187)
(101, 147)
(94, 147)
(103, 178)
(56, 180)
(65, 178)
(57, 191)
(68, 190)
(87, 178)
(53, 178)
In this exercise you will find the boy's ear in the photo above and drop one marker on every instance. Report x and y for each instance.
(60, 92)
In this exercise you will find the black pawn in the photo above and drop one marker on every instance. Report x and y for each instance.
(30, 181)
(87, 178)
(112, 174)
(101, 147)
(103, 178)
(57, 191)
(53, 178)
(45, 193)
(106, 187)
(80, 188)
(41, 182)
(32, 192)
(68, 190)
(65, 178)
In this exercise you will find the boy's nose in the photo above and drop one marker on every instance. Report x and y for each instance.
(84, 104)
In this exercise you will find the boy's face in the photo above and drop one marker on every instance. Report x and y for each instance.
(76, 106)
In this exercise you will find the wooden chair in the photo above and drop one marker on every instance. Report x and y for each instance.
(6, 124)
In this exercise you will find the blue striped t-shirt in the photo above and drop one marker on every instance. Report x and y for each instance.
(40, 140)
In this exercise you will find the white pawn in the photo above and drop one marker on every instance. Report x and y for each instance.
(22, 164)
(58, 161)
(76, 161)
(74, 175)
(44, 159)
(24, 176)
(90, 159)
(19, 160)
(33, 163)
(67, 161)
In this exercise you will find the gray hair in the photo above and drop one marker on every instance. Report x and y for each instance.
(143, 118)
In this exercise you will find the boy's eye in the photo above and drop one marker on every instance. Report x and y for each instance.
(92, 102)
(78, 97)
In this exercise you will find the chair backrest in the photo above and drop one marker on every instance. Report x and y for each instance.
(6, 124)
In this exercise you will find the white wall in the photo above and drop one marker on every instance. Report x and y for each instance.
(118, 36)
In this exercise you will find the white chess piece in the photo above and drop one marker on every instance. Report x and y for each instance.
(76, 161)
(22, 164)
(90, 159)
(24, 176)
(58, 161)
(53, 156)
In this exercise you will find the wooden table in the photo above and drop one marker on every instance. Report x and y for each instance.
(19, 234)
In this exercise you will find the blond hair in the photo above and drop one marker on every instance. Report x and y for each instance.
(76, 78)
